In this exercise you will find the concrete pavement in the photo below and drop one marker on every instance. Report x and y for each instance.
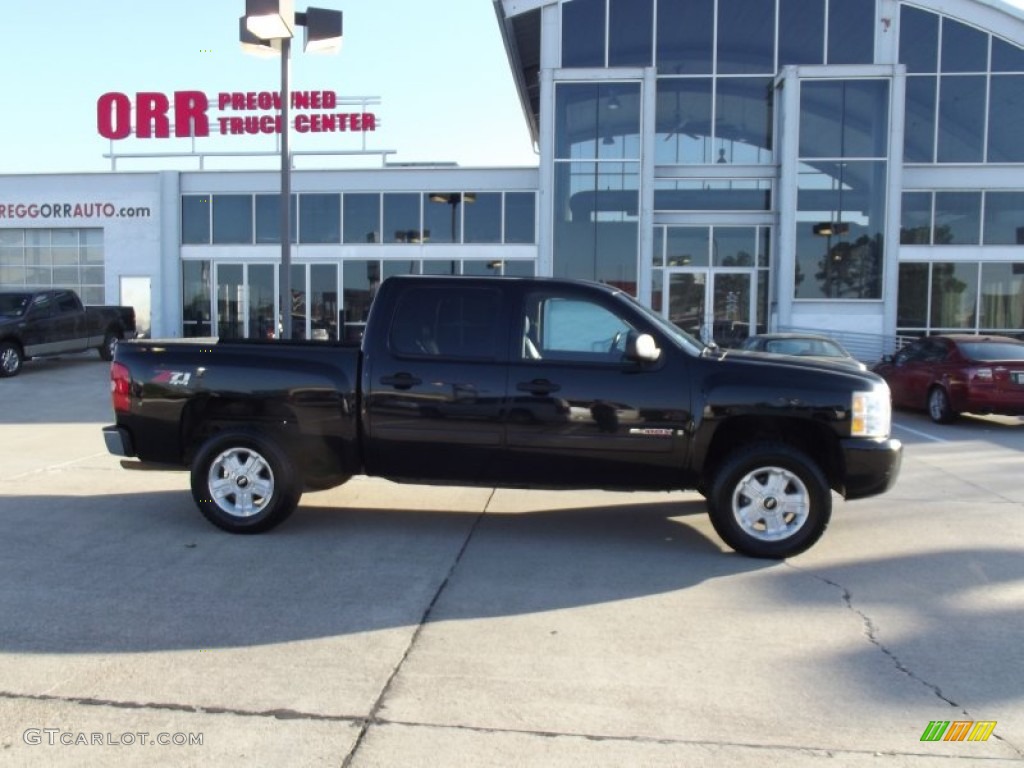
(388, 625)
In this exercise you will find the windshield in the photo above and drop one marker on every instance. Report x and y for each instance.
(990, 351)
(14, 304)
(670, 329)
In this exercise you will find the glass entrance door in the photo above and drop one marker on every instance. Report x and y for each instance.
(246, 301)
(712, 304)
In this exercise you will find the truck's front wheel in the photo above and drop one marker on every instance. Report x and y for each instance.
(243, 482)
(10, 358)
(769, 500)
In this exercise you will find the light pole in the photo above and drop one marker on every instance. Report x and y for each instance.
(453, 199)
(268, 27)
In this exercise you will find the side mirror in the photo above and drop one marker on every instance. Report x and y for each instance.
(642, 347)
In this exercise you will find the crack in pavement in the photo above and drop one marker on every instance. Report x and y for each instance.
(372, 717)
(366, 722)
(871, 632)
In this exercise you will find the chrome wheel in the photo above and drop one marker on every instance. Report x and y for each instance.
(771, 504)
(241, 482)
(10, 360)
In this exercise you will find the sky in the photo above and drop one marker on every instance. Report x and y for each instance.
(439, 69)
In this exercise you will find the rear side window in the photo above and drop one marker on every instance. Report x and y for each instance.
(984, 351)
(447, 323)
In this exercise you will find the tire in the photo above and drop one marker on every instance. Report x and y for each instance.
(11, 359)
(939, 408)
(106, 349)
(243, 482)
(769, 500)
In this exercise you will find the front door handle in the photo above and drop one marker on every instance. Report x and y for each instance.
(400, 381)
(538, 387)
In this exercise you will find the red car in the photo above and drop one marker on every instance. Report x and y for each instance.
(951, 374)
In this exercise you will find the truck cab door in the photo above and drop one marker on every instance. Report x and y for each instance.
(579, 411)
(434, 383)
(39, 327)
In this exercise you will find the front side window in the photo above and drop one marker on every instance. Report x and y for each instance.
(569, 329)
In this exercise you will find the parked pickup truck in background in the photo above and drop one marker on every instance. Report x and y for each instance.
(509, 382)
(54, 322)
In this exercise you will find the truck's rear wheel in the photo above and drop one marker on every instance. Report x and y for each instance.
(243, 482)
(10, 359)
(769, 500)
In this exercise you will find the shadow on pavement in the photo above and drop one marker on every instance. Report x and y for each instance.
(130, 573)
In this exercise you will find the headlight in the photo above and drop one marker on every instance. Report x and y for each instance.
(871, 413)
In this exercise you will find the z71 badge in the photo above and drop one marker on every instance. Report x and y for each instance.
(173, 378)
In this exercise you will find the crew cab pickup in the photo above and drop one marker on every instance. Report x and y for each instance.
(509, 382)
(54, 322)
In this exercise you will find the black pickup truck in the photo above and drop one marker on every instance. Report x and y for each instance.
(37, 323)
(509, 382)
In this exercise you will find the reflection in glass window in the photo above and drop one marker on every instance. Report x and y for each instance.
(844, 118)
(195, 219)
(361, 217)
(518, 267)
(683, 121)
(360, 281)
(743, 115)
(801, 32)
(1004, 219)
(851, 31)
(919, 130)
(442, 215)
(402, 218)
(840, 230)
(1006, 57)
(1006, 115)
(686, 29)
(268, 218)
(734, 246)
(520, 217)
(629, 33)
(961, 118)
(588, 114)
(964, 48)
(746, 37)
(320, 218)
(232, 219)
(919, 40)
(957, 218)
(713, 195)
(323, 301)
(954, 295)
(687, 246)
(195, 298)
(596, 235)
(916, 224)
(483, 218)
(583, 33)
(1002, 296)
(912, 304)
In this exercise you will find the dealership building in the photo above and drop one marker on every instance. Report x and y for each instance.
(849, 166)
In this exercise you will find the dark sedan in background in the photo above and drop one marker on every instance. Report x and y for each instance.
(957, 373)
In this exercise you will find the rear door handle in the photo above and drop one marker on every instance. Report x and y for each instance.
(400, 381)
(538, 387)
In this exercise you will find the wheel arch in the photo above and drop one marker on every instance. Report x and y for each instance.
(816, 440)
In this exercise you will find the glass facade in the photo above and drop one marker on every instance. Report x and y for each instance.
(688, 140)
(54, 258)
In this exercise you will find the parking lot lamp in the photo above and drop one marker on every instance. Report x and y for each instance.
(267, 28)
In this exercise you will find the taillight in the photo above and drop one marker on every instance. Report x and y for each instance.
(120, 387)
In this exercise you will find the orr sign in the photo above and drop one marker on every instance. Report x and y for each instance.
(186, 114)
